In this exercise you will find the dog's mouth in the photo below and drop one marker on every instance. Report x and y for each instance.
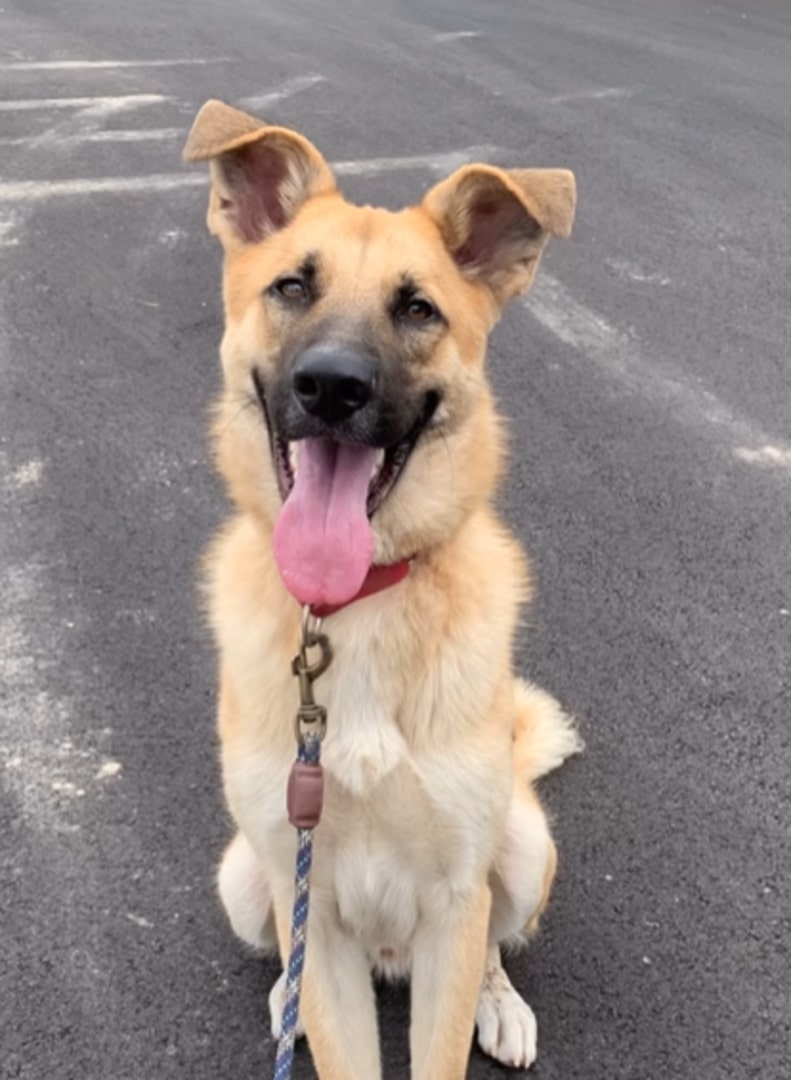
(386, 464)
(323, 540)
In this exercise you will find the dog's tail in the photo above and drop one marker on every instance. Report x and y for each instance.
(544, 736)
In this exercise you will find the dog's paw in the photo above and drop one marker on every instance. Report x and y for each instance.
(507, 1029)
(277, 1000)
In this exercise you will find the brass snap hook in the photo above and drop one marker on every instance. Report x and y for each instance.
(311, 718)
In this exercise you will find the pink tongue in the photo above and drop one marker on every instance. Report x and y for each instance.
(323, 542)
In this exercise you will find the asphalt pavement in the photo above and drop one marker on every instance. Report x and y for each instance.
(647, 386)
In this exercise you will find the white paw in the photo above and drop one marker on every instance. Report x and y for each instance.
(507, 1029)
(277, 999)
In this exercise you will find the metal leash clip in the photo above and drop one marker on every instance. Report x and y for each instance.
(311, 719)
(305, 793)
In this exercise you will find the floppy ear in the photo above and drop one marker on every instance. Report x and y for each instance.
(261, 175)
(496, 222)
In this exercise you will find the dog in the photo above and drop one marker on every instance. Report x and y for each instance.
(356, 432)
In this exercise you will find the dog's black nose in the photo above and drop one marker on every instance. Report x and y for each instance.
(332, 382)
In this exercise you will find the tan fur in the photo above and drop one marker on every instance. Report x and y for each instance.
(432, 745)
(543, 735)
(549, 880)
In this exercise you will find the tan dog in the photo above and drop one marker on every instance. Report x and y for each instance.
(357, 428)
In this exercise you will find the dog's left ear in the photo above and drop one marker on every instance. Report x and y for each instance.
(496, 222)
(261, 175)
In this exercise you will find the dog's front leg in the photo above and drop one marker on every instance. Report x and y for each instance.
(338, 1006)
(447, 969)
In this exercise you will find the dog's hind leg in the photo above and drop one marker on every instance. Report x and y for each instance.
(246, 895)
(523, 870)
(522, 874)
(521, 880)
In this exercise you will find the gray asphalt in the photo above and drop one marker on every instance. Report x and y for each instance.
(647, 384)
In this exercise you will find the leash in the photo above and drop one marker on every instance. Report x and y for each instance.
(304, 800)
(305, 793)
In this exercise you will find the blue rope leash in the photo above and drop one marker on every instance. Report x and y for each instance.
(309, 753)
(303, 801)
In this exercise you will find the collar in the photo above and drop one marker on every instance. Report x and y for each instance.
(377, 579)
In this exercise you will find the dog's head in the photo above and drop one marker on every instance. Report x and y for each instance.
(358, 338)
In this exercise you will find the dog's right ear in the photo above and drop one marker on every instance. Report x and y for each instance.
(261, 175)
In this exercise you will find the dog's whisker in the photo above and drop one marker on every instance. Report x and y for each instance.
(247, 404)
(451, 462)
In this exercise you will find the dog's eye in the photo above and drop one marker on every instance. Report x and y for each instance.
(419, 311)
(291, 288)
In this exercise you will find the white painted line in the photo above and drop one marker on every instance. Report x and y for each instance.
(9, 223)
(171, 238)
(280, 93)
(40, 190)
(47, 769)
(593, 95)
(634, 272)
(151, 135)
(438, 163)
(139, 920)
(108, 770)
(33, 723)
(66, 787)
(87, 65)
(456, 35)
(123, 102)
(27, 475)
(575, 325)
(619, 356)
(766, 456)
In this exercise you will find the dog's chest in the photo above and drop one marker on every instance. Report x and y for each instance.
(364, 742)
(404, 826)
(375, 883)
(377, 890)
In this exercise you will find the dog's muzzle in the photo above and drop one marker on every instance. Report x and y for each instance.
(342, 426)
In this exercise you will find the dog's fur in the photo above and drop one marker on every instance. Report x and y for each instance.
(433, 847)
